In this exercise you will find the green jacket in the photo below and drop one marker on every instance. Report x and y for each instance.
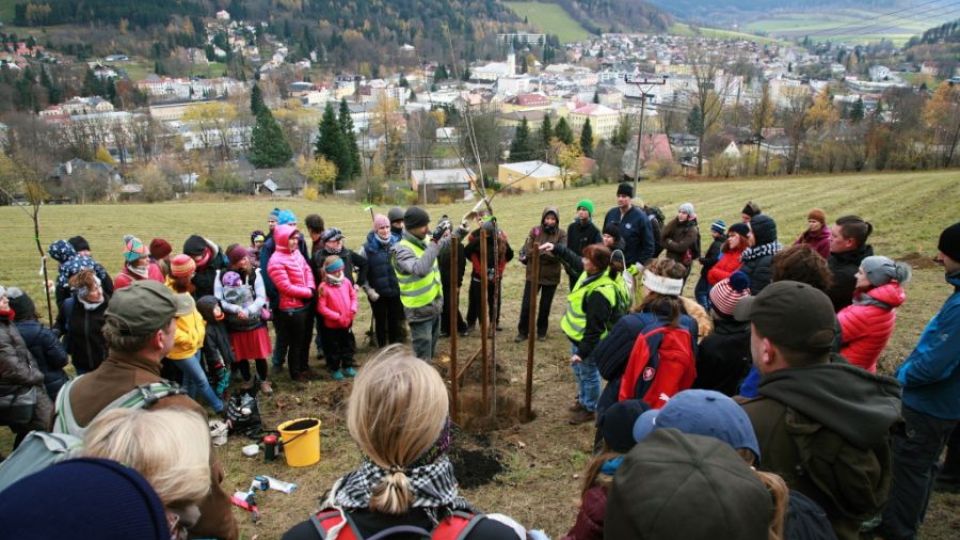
(826, 430)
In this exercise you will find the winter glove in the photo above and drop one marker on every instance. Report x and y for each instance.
(223, 381)
(372, 294)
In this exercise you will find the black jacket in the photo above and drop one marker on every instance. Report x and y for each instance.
(723, 357)
(82, 333)
(581, 235)
(354, 266)
(843, 270)
(47, 351)
(712, 256)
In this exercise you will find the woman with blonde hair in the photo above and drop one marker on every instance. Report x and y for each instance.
(169, 447)
(397, 414)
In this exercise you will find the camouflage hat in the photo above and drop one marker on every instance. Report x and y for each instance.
(141, 307)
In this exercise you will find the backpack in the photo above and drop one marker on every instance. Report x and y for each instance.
(243, 414)
(456, 526)
(40, 449)
(854, 481)
(661, 363)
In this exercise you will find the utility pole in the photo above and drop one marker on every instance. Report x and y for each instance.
(643, 106)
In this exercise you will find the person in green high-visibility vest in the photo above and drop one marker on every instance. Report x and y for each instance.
(593, 306)
(414, 260)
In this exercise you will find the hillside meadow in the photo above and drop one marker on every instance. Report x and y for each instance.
(528, 470)
(550, 19)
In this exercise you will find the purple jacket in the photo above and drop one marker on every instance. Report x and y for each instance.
(818, 241)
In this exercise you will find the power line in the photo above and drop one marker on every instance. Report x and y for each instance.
(842, 27)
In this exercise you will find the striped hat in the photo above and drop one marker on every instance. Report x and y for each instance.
(182, 266)
(134, 249)
(726, 293)
(719, 226)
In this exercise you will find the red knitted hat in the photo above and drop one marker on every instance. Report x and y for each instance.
(725, 296)
(182, 265)
(159, 248)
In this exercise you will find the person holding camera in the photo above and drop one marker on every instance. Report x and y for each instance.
(415, 263)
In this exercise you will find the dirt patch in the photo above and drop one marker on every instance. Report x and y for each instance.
(475, 468)
(477, 419)
(920, 261)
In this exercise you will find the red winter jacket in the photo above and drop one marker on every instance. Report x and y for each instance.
(866, 327)
(126, 277)
(729, 263)
(818, 241)
(337, 304)
(290, 272)
(589, 524)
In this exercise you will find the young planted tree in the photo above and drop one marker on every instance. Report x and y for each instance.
(761, 119)
(711, 88)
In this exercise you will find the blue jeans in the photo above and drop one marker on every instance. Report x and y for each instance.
(195, 381)
(702, 292)
(588, 383)
(424, 336)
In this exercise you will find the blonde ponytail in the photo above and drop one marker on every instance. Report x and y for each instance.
(781, 496)
(393, 495)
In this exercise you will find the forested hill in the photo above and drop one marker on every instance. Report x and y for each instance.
(599, 16)
(138, 13)
(945, 33)
(706, 10)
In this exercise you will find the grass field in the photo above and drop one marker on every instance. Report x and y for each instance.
(847, 24)
(139, 69)
(541, 460)
(7, 11)
(550, 19)
(682, 29)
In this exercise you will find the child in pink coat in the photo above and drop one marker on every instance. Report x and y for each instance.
(337, 305)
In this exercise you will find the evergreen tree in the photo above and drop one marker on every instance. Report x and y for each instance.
(268, 146)
(546, 133)
(332, 145)
(92, 85)
(695, 121)
(563, 132)
(586, 139)
(256, 100)
(346, 128)
(521, 148)
(440, 74)
(596, 97)
(856, 112)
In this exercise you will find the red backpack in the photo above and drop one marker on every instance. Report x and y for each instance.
(456, 526)
(661, 363)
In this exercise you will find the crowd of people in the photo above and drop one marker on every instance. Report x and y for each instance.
(757, 402)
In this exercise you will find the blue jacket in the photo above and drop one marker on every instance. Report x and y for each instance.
(49, 353)
(613, 352)
(930, 378)
(636, 232)
(380, 273)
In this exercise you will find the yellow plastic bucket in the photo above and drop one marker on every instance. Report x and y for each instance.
(301, 441)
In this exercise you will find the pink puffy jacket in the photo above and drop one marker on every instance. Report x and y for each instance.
(290, 272)
(866, 328)
(337, 304)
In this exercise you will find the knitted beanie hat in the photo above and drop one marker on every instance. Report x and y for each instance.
(415, 217)
(194, 245)
(612, 229)
(818, 215)
(949, 243)
(380, 220)
(182, 265)
(133, 249)
(751, 209)
(237, 254)
(727, 292)
(395, 214)
(257, 236)
(625, 188)
(286, 217)
(687, 208)
(740, 228)
(882, 270)
(719, 226)
(125, 505)
(160, 248)
(587, 205)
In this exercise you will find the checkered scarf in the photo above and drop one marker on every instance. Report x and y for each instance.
(433, 484)
(763, 250)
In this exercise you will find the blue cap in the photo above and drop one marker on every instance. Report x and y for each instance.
(702, 412)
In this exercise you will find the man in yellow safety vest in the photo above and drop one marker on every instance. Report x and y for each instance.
(415, 263)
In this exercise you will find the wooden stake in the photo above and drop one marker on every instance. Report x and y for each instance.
(453, 299)
(484, 321)
(532, 325)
